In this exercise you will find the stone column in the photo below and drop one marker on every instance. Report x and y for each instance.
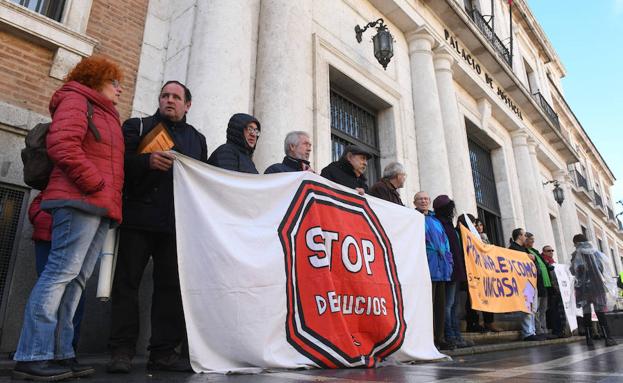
(454, 134)
(284, 76)
(546, 236)
(527, 184)
(435, 177)
(568, 216)
(221, 66)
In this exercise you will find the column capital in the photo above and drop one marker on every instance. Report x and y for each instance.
(443, 59)
(532, 145)
(421, 40)
(519, 138)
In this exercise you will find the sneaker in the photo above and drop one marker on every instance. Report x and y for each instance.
(41, 370)
(119, 363)
(76, 368)
(172, 362)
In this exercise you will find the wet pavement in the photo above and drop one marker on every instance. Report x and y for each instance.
(572, 362)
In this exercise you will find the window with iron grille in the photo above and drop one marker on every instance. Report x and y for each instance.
(354, 124)
(486, 192)
(49, 8)
(12, 207)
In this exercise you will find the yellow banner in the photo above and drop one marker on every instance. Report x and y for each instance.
(500, 280)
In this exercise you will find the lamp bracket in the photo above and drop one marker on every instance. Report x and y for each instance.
(359, 31)
(555, 182)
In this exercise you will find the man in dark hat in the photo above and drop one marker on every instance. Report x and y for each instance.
(349, 169)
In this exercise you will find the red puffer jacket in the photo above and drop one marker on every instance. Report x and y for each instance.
(87, 174)
(41, 221)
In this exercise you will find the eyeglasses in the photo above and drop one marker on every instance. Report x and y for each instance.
(116, 83)
(252, 130)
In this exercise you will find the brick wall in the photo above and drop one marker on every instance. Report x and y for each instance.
(25, 66)
(118, 26)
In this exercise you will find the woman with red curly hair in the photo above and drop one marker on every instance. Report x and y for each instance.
(84, 198)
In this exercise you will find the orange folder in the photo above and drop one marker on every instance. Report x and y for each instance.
(157, 140)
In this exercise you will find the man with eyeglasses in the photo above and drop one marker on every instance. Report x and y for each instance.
(350, 169)
(148, 231)
(243, 132)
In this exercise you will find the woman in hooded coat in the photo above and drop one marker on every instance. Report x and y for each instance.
(587, 266)
(243, 131)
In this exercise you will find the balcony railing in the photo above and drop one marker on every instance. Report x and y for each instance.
(581, 180)
(610, 214)
(598, 200)
(490, 35)
(547, 108)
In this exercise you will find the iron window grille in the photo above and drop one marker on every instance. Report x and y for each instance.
(49, 8)
(486, 192)
(12, 210)
(354, 124)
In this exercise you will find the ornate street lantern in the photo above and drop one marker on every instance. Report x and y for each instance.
(559, 194)
(383, 41)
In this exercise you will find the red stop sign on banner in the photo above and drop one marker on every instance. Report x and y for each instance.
(344, 300)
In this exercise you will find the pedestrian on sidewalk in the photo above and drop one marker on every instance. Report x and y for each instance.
(445, 211)
(544, 285)
(588, 265)
(85, 145)
(148, 231)
(528, 331)
(439, 265)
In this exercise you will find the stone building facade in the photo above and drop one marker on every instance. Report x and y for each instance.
(468, 113)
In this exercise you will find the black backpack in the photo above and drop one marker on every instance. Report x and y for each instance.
(37, 164)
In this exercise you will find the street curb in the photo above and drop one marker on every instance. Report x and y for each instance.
(509, 346)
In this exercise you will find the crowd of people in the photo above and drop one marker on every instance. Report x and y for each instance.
(104, 180)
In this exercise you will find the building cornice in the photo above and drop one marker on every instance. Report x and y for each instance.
(538, 35)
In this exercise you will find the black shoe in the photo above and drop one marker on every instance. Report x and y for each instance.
(41, 370)
(443, 345)
(476, 328)
(533, 338)
(606, 330)
(119, 363)
(588, 328)
(172, 362)
(75, 367)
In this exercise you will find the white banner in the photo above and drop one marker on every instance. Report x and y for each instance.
(567, 292)
(291, 270)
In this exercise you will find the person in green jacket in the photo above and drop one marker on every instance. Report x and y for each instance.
(544, 284)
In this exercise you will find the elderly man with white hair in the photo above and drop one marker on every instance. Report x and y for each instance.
(386, 188)
(297, 147)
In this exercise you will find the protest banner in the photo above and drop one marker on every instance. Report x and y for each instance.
(500, 280)
(567, 293)
(291, 270)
